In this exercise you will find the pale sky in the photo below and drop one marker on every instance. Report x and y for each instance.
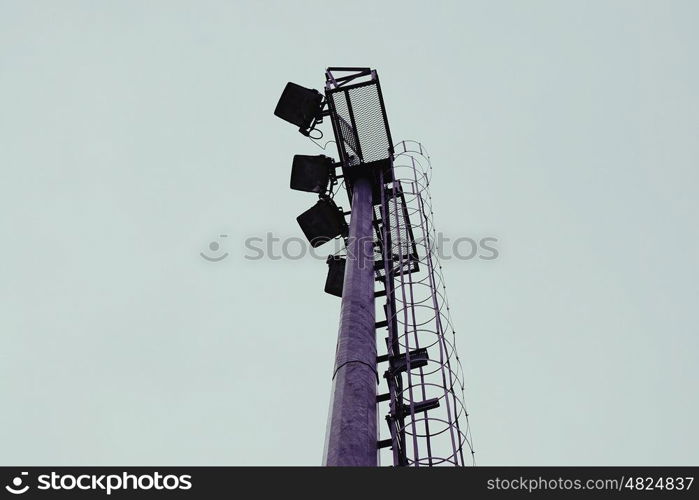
(133, 134)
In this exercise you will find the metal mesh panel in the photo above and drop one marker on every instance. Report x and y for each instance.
(403, 248)
(349, 140)
(360, 123)
(371, 128)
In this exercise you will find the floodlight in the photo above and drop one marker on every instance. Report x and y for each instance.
(336, 275)
(311, 173)
(322, 222)
(300, 106)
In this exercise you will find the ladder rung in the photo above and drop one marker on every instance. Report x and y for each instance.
(428, 404)
(418, 358)
(384, 443)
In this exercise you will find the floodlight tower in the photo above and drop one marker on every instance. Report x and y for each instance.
(389, 253)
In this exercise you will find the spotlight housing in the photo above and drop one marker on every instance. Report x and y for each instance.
(322, 222)
(336, 275)
(300, 106)
(311, 173)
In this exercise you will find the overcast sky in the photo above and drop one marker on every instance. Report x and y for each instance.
(133, 134)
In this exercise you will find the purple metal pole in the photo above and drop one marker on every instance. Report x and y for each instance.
(351, 438)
